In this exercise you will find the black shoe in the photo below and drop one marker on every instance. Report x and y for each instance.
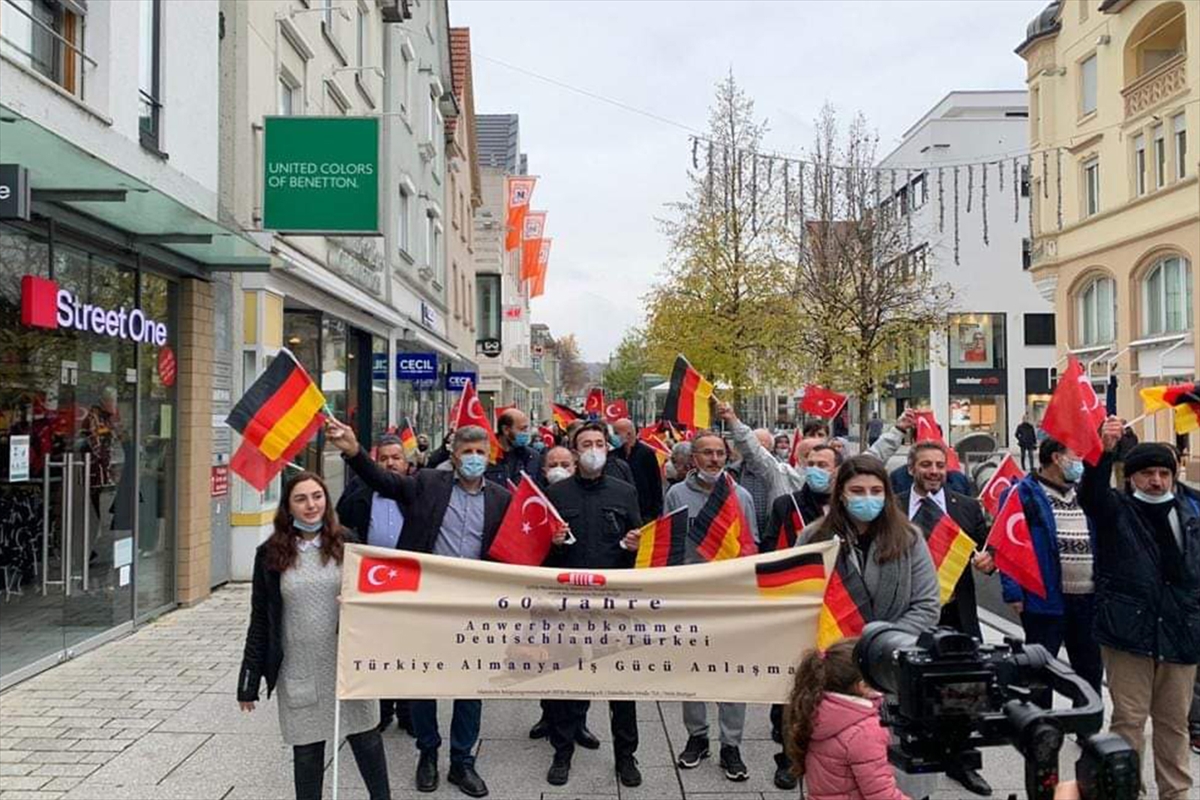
(628, 772)
(406, 726)
(971, 780)
(1196, 742)
(695, 751)
(585, 738)
(784, 779)
(427, 771)
(732, 764)
(560, 771)
(540, 729)
(383, 724)
(776, 736)
(467, 780)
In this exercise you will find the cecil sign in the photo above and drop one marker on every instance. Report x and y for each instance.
(321, 175)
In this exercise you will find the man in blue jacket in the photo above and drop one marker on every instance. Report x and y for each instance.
(1063, 539)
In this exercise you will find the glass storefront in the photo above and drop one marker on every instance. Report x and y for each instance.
(978, 377)
(87, 437)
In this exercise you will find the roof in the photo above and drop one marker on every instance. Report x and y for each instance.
(498, 138)
(1044, 24)
(460, 68)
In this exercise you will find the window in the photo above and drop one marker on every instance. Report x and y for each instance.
(1024, 180)
(360, 38)
(1139, 165)
(1179, 126)
(1035, 112)
(1160, 158)
(46, 41)
(150, 105)
(432, 119)
(464, 216)
(1039, 329)
(334, 104)
(403, 223)
(1087, 85)
(1167, 297)
(1091, 182)
(288, 99)
(454, 290)
(487, 306)
(404, 85)
(1097, 312)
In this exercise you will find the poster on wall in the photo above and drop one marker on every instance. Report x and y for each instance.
(971, 343)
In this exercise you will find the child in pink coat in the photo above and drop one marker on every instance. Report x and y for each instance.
(833, 735)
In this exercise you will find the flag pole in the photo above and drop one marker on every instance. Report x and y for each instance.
(1138, 419)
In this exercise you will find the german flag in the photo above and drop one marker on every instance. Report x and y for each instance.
(720, 530)
(803, 573)
(951, 549)
(563, 415)
(276, 417)
(408, 439)
(663, 541)
(790, 529)
(844, 610)
(689, 397)
(1183, 397)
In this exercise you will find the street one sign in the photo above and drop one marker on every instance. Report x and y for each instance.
(321, 175)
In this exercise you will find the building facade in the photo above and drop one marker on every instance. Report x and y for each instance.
(114, 250)
(1116, 220)
(992, 364)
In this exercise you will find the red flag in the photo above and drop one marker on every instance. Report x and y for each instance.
(520, 190)
(389, 574)
(1012, 547)
(527, 528)
(531, 243)
(616, 410)
(1003, 479)
(794, 456)
(822, 402)
(546, 435)
(1071, 416)
(498, 411)
(470, 412)
(787, 538)
(928, 430)
(595, 402)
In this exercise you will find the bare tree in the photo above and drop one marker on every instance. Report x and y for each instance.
(574, 372)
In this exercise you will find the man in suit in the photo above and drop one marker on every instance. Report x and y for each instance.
(647, 478)
(453, 513)
(925, 505)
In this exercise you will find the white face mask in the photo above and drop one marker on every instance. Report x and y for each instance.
(1153, 499)
(593, 460)
(556, 474)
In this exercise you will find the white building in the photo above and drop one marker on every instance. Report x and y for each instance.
(994, 362)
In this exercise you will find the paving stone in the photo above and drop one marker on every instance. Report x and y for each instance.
(14, 770)
(167, 790)
(28, 722)
(61, 784)
(111, 745)
(42, 743)
(223, 757)
(66, 770)
(28, 782)
(26, 795)
(53, 757)
(149, 759)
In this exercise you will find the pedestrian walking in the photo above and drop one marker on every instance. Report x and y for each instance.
(1027, 441)
(874, 428)
(647, 478)
(292, 640)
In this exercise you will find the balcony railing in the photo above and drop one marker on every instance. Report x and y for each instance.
(46, 50)
(1156, 86)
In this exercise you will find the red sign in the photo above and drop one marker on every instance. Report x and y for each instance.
(220, 482)
(166, 365)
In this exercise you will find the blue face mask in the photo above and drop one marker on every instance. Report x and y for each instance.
(307, 527)
(472, 465)
(864, 509)
(521, 439)
(1072, 471)
(817, 478)
(616, 442)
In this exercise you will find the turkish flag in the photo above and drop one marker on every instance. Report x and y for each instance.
(527, 528)
(928, 430)
(794, 455)
(1004, 478)
(547, 436)
(616, 410)
(499, 411)
(822, 402)
(1071, 417)
(1012, 547)
(595, 402)
(389, 575)
(470, 412)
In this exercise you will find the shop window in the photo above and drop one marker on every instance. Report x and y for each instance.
(1179, 126)
(1167, 297)
(1096, 312)
(1087, 85)
(1158, 38)
(977, 341)
(1039, 329)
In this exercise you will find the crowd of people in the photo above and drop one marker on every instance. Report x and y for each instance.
(1120, 561)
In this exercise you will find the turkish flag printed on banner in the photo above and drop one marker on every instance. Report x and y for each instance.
(822, 402)
(595, 402)
(1012, 547)
(928, 430)
(389, 574)
(616, 410)
(527, 528)
(1071, 417)
(1004, 478)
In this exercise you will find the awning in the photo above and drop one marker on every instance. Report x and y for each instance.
(527, 377)
(145, 218)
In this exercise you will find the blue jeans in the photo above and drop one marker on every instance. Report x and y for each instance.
(464, 728)
(1073, 629)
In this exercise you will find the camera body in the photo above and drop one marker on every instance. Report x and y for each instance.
(947, 696)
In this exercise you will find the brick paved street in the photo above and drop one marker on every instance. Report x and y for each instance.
(153, 716)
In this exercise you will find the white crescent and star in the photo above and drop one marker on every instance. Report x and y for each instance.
(475, 408)
(1008, 530)
(371, 575)
(612, 410)
(526, 525)
(998, 486)
(826, 405)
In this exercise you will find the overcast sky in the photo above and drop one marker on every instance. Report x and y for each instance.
(607, 172)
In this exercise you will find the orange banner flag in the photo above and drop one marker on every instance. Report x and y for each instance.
(531, 243)
(537, 286)
(520, 192)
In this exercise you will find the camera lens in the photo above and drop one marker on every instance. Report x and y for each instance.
(876, 654)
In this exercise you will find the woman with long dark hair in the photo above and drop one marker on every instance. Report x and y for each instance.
(292, 640)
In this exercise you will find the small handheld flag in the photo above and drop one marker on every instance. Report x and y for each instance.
(527, 528)
(846, 607)
(663, 541)
(1071, 416)
(720, 530)
(789, 529)
(1012, 547)
(595, 403)
(1183, 397)
(951, 549)
(470, 412)
(822, 402)
(690, 397)
(563, 415)
(1003, 479)
(408, 439)
(928, 430)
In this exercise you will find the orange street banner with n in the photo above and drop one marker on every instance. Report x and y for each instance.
(520, 191)
(418, 625)
(532, 231)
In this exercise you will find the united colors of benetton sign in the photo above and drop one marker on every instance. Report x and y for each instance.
(45, 305)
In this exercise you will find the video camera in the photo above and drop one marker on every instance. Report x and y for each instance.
(948, 695)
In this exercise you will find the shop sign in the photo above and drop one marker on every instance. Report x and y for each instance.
(457, 381)
(429, 317)
(379, 366)
(416, 366)
(14, 192)
(978, 381)
(321, 174)
(490, 347)
(219, 481)
(44, 305)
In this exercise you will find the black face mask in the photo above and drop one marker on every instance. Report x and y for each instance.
(422, 447)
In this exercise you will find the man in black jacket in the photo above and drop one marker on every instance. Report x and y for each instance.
(456, 514)
(604, 518)
(516, 437)
(647, 477)
(1147, 568)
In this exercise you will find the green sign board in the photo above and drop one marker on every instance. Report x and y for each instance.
(321, 175)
